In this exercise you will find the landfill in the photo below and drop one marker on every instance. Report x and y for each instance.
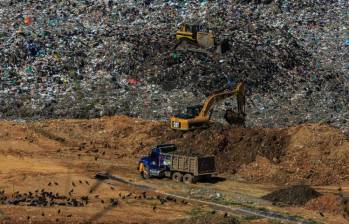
(85, 59)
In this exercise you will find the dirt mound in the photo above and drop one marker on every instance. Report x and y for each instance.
(233, 147)
(314, 154)
(329, 203)
(294, 195)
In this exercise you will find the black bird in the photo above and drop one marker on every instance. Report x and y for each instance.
(59, 211)
(112, 188)
(339, 189)
(72, 183)
(80, 181)
(49, 184)
(321, 214)
(28, 217)
(154, 207)
(225, 215)
(102, 201)
(87, 182)
(56, 183)
(43, 214)
(97, 196)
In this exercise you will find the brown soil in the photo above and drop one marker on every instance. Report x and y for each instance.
(312, 154)
(34, 154)
(329, 203)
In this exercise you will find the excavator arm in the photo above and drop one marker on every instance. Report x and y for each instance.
(238, 91)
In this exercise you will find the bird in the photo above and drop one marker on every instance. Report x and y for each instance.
(80, 181)
(321, 214)
(102, 201)
(49, 184)
(28, 217)
(154, 207)
(56, 183)
(43, 214)
(339, 189)
(112, 188)
(225, 215)
(59, 211)
(87, 182)
(73, 184)
(70, 215)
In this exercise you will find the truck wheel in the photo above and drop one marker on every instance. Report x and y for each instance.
(189, 179)
(176, 176)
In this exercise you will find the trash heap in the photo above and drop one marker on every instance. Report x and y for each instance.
(86, 59)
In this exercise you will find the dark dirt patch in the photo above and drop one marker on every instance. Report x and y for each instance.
(294, 195)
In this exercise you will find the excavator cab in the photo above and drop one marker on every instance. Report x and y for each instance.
(191, 112)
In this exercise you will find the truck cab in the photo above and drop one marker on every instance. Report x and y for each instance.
(154, 164)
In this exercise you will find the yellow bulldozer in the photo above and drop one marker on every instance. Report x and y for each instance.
(194, 36)
(198, 38)
(199, 116)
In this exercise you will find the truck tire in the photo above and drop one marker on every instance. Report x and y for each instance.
(189, 179)
(177, 176)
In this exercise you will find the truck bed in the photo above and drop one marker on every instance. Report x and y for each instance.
(196, 165)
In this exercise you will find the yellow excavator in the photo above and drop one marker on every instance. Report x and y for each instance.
(199, 116)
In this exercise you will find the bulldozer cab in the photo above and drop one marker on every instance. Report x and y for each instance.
(192, 28)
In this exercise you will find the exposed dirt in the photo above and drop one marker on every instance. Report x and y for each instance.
(330, 203)
(294, 195)
(311, 153)
(35, 154)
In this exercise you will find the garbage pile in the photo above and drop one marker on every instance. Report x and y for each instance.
(86, 59)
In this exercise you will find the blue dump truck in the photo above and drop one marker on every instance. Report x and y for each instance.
(165, 161)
